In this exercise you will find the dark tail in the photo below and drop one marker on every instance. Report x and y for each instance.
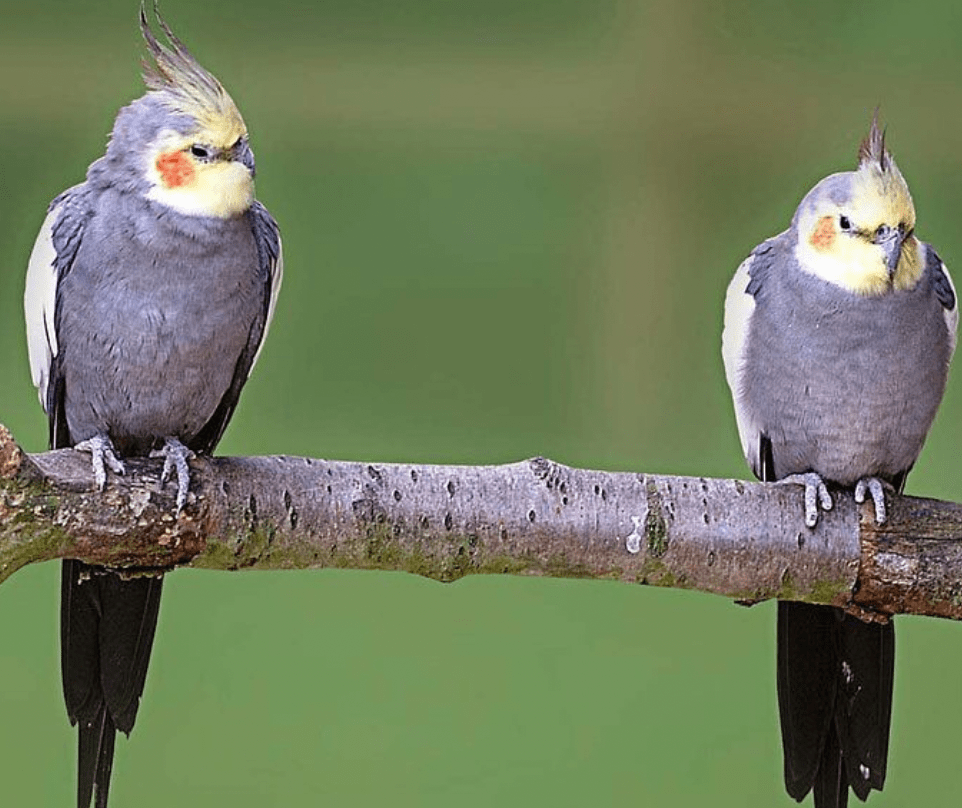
(835, 677)
(106, 631)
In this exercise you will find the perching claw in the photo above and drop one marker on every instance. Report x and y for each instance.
(102, 454)
(876, 489)
(175, 456)
(816, 494)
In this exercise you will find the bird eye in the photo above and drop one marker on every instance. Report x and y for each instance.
(200, 151)
(844, 223)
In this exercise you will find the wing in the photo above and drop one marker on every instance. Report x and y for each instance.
(270, 260)
(945, 292)
(739, 310)
(270, 254)
(52, 256)
(39, 299)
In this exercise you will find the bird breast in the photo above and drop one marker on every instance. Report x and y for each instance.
(151, 328)
(843, 385)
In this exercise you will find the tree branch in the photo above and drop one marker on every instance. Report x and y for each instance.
(743, 540)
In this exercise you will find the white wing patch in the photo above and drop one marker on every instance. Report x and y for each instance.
(739, 308)
(39, 304)
(277, 276)
(951, 315)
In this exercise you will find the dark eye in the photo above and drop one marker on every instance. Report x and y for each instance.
(844, 223)
(200, 151)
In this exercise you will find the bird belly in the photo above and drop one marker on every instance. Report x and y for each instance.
(148, 357)
(850, 401)
(844, 441)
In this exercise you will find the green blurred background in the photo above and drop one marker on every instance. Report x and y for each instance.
(508, 228)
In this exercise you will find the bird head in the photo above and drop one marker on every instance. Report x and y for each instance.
(195, 150)
(856, 229)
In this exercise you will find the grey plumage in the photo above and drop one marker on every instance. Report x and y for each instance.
(149, 293)
(173, 315)
(837, 343)
(842, 384)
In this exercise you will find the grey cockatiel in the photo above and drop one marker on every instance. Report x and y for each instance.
(149, 292)
(838, 337)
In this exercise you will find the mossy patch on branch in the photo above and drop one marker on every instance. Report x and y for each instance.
(656, 529)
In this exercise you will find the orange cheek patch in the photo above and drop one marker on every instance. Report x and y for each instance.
(824, 234)
(175, 169)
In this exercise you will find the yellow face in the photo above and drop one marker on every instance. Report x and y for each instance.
(197, 175)
(853, 245)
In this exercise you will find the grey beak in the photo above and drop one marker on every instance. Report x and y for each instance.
(890, 240)
(242, 154)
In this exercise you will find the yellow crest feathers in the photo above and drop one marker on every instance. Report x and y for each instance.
(186, 86)
(878, 181)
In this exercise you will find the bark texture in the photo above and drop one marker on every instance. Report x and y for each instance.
(742, 540)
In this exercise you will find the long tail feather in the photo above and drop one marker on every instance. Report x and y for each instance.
(107, 628)
(835, 677)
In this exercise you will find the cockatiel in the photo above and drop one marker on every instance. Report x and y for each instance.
(149, 293)
(837, 342)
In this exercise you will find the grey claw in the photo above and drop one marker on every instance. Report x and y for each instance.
(175, 456)
(102, 456)
(876, 489)
(816, 494)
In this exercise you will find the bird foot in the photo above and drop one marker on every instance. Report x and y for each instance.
(103, 455)
(175, 456)
(876, 489)
(816, 494)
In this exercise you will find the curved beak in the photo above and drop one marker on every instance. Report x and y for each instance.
(242, 154)
(890, 239)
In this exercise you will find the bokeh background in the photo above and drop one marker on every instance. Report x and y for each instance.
(509, 225)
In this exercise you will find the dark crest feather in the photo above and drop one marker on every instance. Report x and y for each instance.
(872, 148)
(171, 65)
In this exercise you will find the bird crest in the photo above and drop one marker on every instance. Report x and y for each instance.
(878, 182)
(186, 87)
(872, 148)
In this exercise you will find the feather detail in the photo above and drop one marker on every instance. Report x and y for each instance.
(872, 148)
(878, 183)
(107, 629)
(39, 304)
(271, 266)
(271, 253)
(945, 291)
(185, 86)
